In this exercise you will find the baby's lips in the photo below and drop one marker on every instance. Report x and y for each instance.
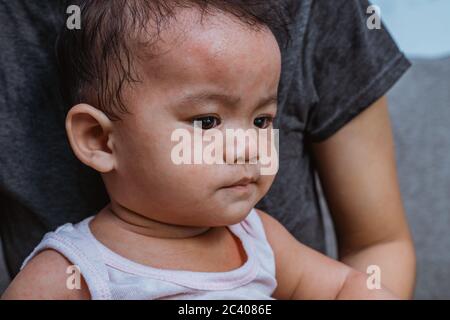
(242, 181)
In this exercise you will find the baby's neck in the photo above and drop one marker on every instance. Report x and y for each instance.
(139, 224)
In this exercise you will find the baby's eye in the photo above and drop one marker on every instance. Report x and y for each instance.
(208, 122)
(263, 122)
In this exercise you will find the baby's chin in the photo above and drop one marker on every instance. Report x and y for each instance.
(233, 213)
(233, 206)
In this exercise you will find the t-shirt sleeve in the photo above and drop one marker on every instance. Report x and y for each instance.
(352, 66)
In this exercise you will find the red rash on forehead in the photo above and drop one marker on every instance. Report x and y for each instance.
(220, 52)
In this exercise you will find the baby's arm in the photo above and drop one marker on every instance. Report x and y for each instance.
(45, 278)
(303, 273)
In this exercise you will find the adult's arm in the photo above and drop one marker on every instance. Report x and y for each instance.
(358, 173)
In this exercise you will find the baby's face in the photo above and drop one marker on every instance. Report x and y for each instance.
(220, 73)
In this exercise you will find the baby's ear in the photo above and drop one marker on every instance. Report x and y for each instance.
(89, 132)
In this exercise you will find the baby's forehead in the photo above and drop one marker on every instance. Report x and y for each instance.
(217, 48)
(215, 61)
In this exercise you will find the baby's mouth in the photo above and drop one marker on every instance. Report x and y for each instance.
(243, 185)
(243, 182)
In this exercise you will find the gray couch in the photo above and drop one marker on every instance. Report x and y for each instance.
(420, 110)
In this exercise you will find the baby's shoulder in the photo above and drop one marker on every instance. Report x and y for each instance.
(46, 276)
(267, 221)
(277, 235)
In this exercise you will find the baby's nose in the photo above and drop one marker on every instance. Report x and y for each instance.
(241, 147)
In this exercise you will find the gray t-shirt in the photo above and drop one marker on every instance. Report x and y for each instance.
(333, 68)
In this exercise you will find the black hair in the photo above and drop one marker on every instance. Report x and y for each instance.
(96, 61)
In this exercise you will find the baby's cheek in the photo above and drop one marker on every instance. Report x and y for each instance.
(264, 183)
(189, 175)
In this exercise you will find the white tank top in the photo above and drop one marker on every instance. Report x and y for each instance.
(111, 276)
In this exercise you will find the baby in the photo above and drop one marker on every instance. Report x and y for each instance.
(135, 73)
